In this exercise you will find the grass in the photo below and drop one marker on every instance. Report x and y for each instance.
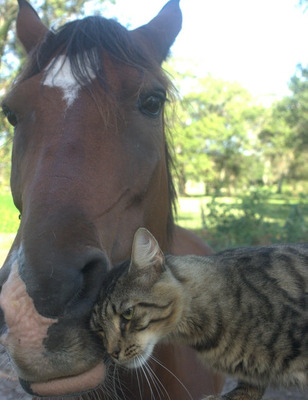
(9, 223)
(254, 218)
(190, 209)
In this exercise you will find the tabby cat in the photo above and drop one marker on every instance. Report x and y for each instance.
(244, 310)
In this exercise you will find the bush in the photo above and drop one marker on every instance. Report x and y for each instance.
(249, 222)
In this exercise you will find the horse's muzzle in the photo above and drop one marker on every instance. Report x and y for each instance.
(45, 325)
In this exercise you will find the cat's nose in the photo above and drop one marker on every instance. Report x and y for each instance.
(115, 354)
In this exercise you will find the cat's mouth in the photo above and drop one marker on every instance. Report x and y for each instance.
(137, 360)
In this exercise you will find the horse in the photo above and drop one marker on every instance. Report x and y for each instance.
(90, 164)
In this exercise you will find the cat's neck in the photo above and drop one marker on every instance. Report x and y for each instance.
(194, 274)
(190, 271)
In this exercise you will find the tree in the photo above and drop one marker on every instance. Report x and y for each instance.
(285, 135)
(217, 120)
(297, 107)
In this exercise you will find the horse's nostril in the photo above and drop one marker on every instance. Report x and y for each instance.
(93, 274)
(65, 283)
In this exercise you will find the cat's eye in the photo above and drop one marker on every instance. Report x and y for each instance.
(99, 331)
(128, 314)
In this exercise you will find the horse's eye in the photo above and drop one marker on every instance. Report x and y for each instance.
(128, 314)
(152, 105)
(10, 115)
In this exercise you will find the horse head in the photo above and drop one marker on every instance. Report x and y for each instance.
(89, 166)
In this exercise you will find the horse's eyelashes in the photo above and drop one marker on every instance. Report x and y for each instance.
(152, 105)
(10, 115)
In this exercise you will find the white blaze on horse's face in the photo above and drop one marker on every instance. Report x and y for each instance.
(59, 74)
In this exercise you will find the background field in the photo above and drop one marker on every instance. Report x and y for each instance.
(257, 217)
(9, 222)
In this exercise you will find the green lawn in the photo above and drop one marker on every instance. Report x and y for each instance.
(277, 209)
(8, 223)
(253, 219)
(9, 214)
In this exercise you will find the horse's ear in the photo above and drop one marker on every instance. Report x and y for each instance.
(30, 29)
(161, 31)
(146, 252)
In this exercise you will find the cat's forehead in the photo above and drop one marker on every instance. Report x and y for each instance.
(125, 290)
(114, 278)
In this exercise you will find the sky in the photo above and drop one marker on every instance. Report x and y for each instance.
(257, 43)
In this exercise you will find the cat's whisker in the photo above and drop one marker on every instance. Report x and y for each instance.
(105, 388)
(172, 374)
(115, 379)
(143, 373)
(96, 394)
(148, 382)
(160, 388)
(152, 379)
(138, 378)
(108, 384)
(121, 385)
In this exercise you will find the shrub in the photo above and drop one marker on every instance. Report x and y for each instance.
(249, 222)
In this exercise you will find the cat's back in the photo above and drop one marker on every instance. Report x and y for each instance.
(279, 265)
(285, 266)
(264, 305)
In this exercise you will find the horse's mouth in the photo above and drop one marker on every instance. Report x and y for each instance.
(67, 386)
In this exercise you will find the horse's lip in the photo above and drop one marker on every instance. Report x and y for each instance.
(67, 386)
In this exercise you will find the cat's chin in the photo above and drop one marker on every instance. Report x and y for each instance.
(141, 359)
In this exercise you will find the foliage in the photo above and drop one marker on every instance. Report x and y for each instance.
(225, 139)
(215, 134)
(248, 223)
(9, 221)
(284, 137)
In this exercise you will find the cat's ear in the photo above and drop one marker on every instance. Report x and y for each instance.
(146, 251)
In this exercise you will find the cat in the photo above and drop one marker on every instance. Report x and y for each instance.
(244, 310)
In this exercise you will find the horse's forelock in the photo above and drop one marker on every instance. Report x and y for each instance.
(85, 42)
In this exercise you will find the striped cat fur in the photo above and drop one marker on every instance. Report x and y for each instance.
(244, 310)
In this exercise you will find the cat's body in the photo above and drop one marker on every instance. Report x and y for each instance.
(244, 310)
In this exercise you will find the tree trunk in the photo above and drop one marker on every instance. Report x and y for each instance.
(280, 182)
